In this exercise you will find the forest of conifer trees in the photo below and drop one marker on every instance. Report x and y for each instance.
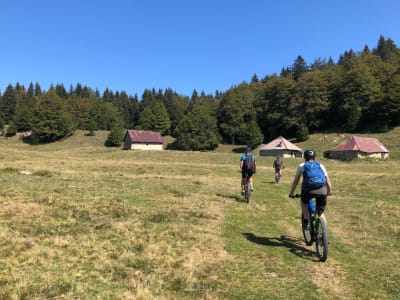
(359, 92)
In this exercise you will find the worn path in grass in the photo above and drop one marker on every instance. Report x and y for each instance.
(78, 220)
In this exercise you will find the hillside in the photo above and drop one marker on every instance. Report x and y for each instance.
(82, 221)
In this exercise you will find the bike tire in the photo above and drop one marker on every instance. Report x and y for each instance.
(247, 193)
(322, 241)
(307, 233)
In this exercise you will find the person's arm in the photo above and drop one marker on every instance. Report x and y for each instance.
(294, 185)
(328, 184)
(241, 164)
(328, 180)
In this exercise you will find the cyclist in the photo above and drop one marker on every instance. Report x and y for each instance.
(248, 166)
(316, 183)
(278, 165)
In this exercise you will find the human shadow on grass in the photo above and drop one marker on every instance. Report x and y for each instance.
(238, 198)
(293, 244)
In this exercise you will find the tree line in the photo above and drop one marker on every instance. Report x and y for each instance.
(359, 92)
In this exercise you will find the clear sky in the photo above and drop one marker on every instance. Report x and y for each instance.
(207, 45)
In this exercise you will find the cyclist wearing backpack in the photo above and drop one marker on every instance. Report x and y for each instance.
(278, 165)
(248, 166)
(316, 183)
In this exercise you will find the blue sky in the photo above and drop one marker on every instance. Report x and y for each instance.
(207, 45)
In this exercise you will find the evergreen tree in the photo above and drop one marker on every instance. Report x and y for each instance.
(52, 121)
(273, 107)
(24, 114)
(235, 110)
(8, 103)
(299, 67)
(127, 108)
(197, 131)
(38, 89)
(155, 117)
(175, 106)
(1, 126)
(61, 91)
(252, 135)
(310, 100)
(254, 79)
(11, 130)
(387, 50)
(31, 90)
(302, 133)
(115, 137)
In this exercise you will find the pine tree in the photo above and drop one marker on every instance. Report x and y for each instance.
(299, 67)
(8, 103)
(115, 137)
(154, 117)
(197, 131)
(52, 121)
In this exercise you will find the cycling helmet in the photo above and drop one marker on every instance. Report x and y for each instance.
(309, 154)
(248, 149)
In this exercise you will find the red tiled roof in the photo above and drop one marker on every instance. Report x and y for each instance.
(367, 145)
(280, 143)
(144, 136)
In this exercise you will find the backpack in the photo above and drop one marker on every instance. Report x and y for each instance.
(277, 163)
(248, 164)
(313, 176)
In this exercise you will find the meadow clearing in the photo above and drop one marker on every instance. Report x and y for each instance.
(82, 221)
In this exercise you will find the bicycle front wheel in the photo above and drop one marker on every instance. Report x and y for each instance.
(306, 228)
(322, 242)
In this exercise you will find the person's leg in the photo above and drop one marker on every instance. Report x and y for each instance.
(242, 183)
(321, 204)
(305, 197)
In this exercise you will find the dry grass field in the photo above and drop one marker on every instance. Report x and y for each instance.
(81, 221)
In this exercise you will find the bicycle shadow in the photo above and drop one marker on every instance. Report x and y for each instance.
(293, 244)
(238, 198)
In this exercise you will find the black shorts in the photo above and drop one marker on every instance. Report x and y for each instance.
(320, 197)
(248, 173)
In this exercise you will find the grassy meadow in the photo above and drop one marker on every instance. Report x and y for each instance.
(81, 221)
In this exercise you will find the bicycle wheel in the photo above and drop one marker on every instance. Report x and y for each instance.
(247, 193)
(307, 234)
(321, 242)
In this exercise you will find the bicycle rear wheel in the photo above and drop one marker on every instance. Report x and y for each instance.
(247, 193)
(322, 242)
(307, 234)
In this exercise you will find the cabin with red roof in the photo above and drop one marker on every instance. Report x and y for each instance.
(143, 140)
(358, 147)
(280, 147)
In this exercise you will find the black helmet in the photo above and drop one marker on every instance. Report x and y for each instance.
(309, 154)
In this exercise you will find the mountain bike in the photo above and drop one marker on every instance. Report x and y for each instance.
(316, 231)
(247, 188)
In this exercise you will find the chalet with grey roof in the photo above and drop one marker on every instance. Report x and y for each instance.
(280, 147)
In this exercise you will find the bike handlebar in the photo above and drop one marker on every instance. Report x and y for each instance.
(295, 196)
(299, 196)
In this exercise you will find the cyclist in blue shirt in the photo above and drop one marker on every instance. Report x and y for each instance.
(318, 190)
(248, 166)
